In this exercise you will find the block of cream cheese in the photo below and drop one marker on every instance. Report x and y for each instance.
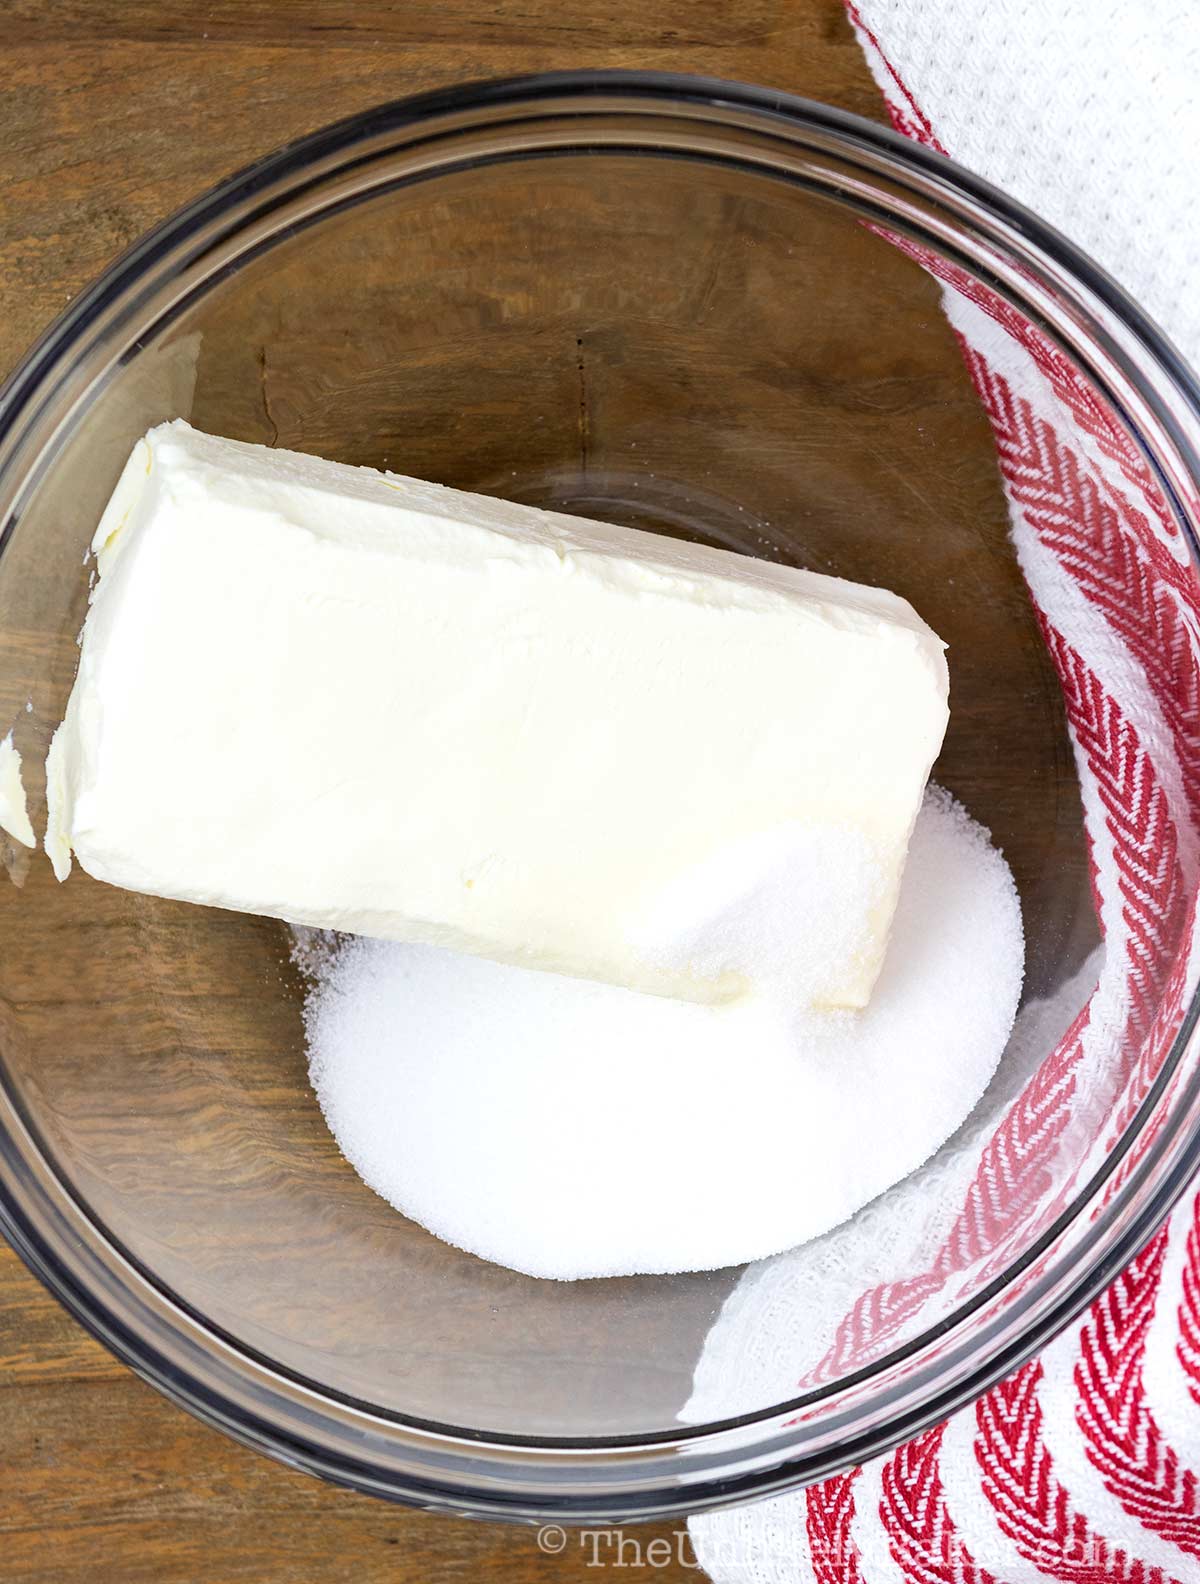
(14, 813)
(350, 699)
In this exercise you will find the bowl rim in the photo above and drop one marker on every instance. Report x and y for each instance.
(721, 1476)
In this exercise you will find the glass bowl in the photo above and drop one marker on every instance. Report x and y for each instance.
(690, 306)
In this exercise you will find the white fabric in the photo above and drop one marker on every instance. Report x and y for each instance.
(1088, 111)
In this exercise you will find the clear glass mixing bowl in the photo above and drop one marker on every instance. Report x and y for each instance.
(685, 305)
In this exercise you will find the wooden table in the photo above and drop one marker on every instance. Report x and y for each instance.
(113, 113)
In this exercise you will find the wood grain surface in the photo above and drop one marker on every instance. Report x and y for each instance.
(112, 114)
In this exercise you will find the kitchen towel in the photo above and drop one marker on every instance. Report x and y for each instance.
(1085, 1465)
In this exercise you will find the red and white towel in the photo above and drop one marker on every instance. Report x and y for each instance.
(1084, 1466)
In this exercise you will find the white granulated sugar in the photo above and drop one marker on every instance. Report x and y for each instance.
(569, 1129)
(738, 912)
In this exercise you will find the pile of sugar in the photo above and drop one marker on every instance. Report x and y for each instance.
(571, 1129)
(737, 913)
